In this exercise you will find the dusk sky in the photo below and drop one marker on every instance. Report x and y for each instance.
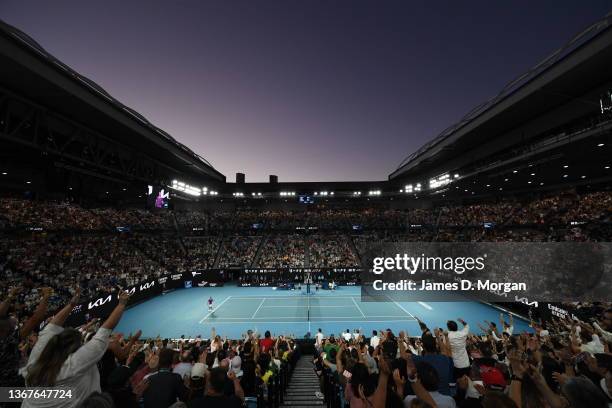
(308, 90)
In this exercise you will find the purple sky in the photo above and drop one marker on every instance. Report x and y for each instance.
(307, 90)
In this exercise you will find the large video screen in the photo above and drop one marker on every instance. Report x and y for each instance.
(157, 197)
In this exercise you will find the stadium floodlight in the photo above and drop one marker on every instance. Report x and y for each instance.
(439, 181)
(456, 175)
(566, 166)
(259, 194)
(315, 193)
(401, 190)
(4, 173)
(515, 171)
(583, 177)
(600, 145)
(408, 188)
(186, 188)
(331, 193)
(374, 192)
(565, 176)
(29, 182)
(606, 167)
(533, 174)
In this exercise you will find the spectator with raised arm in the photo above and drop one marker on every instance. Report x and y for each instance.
(60, 359)
(457, 340)
(11, 335)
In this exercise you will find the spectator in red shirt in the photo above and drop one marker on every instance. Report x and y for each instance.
(266, 343)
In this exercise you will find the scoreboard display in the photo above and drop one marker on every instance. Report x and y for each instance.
(305, 199)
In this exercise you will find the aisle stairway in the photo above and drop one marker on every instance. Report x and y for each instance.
(303, 385)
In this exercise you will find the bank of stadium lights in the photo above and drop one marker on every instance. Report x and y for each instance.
(186, 188)
(324, 193)
(410, 188)
(439, 181)
(256, 194)
(287, 193)
(238, 194)
(356, 193)
(374, 192)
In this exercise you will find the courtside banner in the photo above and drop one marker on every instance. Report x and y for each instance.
(488, 271)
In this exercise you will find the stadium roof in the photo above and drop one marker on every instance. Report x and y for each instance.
(582, 65)
(29, 71)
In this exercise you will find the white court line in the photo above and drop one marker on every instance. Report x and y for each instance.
(401, 307)
(296, 297)
(425, 305)
(260, 305)
(300, 306)
(358, 308)
(215, 309)
(304, 321)
(315, 321)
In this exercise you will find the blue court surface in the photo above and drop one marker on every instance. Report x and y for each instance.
(236, 309)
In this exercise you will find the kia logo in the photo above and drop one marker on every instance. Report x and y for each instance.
(99, 302)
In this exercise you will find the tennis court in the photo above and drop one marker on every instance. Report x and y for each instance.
(305, 308)
(236, 310)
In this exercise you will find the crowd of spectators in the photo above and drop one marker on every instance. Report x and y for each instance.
(105, 369)
(331, 251)
(97, 263)
(48, 215)
(239, 251)
(63, 243)
(282, 251)
(554, 210)
(201, 252)
(563, 363)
